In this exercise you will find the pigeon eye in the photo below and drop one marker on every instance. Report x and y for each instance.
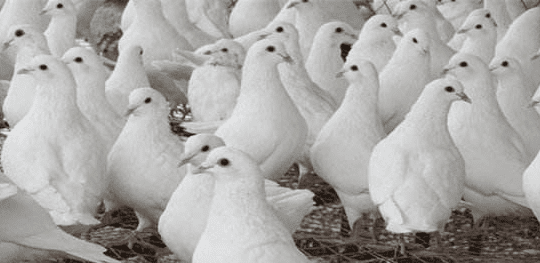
(224, 50)
(205, 148)
(488, 15)
(478, 26)
(19, 33)
(415, 40)
(270, 49)
(504, 63)
(383, 25)
(141, 52)
(412, 7)
(279, 29)
(354, 68)
(148, 100)
(78, 60)
(305, 1)
(449, 89)
(43, 67)
(463, 64)
(59, 6)
(339, 30)
(224, 162)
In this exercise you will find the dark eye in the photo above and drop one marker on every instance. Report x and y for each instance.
(339, 30)
(43, 67)
(504, 63)
(305, 1)
(354, 68)
(205, 148)
(279, 29)
(478, 26)
(449, 89)
(148, 100)
(224, 50)
(78, 60)
(19, 33)
(383, 25)
(412, 7)
(488, 15)
(270, 48)
(224, 162)
(59, 6)
(141, 52)
(463, 64)
(414, 40)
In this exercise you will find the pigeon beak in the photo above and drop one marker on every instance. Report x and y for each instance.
(447, 70)
(397, 32)
(463, 30)
(533, 103)
(44, 11)
(263, 36)
(464, 97)
(398, 15)
(340, 74)
(493, 21)
(287, 58)
(293, 4)
(185, 158)
(537, 55)
(202, 168)
(130, 110)
(6, 45)
(25, 71)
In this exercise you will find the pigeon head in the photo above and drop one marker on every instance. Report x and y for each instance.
(230, 164)
(59, 8)
(338, 33)
(478, 20)
(356, 69)
(20, 35)
(283, 31)
(80, 58)
(381, 24)
(132, 52)
(416, 39)
(197, 148)
(405, 8)
(271, 49)
(227, 52)
(465, 66)
(501, 66)
(147, 102)
(449, 89)
(45, 67)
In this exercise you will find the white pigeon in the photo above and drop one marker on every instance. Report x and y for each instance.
(310, 16)
(128, 75)
(404, 77)
(480, 32)
(341, 152)
(62, 29)
(54, 153)
(280, 134)
(142, 165)
(185, 217)
(151, 30)
(176, 13)
(413, 14)
(416, 173)
(376, 41)
(248, 16)
(314, 104)
(253, 232)
(514, 93)
(27, 42)
(522, 41)
(29, 227)
(456, 11)
(495, 155)
(90, 74)
(214, 87)
(211, 16)
(325, 60)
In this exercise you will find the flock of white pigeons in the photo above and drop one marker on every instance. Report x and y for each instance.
(268, 87)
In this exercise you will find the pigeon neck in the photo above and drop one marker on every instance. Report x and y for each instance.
(56, 100)
(362, 97)
(62, 29)
(512, 90)
(429, 115)
(481, 46)
(238, 197)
